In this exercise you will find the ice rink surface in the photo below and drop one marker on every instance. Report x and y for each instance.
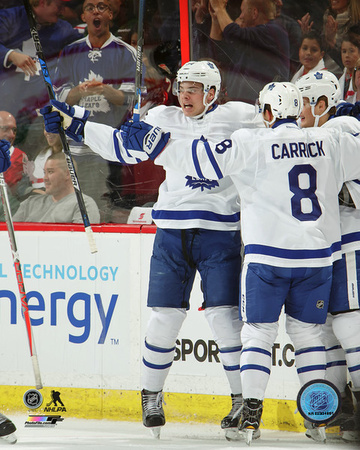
(81, 434)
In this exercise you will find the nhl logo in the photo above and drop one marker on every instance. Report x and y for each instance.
(33, 399)
(320, 304)
(319, 401)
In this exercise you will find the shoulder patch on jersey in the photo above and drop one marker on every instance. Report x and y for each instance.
(202, 183)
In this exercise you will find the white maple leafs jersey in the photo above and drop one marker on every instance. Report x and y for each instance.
(349, 217)
(186, 201)
(288, 179)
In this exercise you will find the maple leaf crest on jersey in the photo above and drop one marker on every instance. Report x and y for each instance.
(202, 183)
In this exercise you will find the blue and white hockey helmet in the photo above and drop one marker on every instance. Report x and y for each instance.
(284, 99)
(204, 72)
(317, 84)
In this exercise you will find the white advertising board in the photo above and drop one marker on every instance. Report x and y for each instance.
(89, 317)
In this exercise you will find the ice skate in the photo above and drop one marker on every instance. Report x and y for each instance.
(334, 427)
(153, 413)
(7, 430)
(250, 419)
(315, 431)
(230, 423)
(350, 429)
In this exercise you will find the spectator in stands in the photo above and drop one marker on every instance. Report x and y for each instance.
(350, 53)
(254, 48)
(338, 18)
(15, 177)
(123, 18)
(311, 55)
(356, 81)
(293, 30)
(36, 167)
(20, 74)
(59, 203)
(71, 12)
(16, 172)
(313, 9)
(97, 72)
(200, 10)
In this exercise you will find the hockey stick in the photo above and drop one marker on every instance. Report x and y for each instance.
(139, 62)
(20, 281)
(185, 31)
(39, 52)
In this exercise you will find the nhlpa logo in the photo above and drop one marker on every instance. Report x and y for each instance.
(55, 399)
(201, 183)
(318, 75)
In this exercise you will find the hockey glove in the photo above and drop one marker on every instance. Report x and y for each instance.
(52, 119)
(348, 109)
(4, 155)
(72, 119)
(143, 137)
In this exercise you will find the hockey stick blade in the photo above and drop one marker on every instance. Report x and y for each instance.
(36, 369)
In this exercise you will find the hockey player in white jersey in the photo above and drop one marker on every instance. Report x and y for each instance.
(288, 180)
(341, 333)
(198, 222)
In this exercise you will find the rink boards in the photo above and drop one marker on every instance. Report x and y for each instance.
(89, 315)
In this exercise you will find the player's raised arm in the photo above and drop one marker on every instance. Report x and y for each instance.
(138, 141)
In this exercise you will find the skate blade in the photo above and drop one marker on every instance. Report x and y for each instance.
(317, 434)
(9, 439)
(155, 431)
(248, 435)
(233, 434)
(322, 433)
(351, 436)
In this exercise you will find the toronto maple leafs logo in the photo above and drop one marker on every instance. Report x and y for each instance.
(271, 87)
(94, 54)
(202, 183)
(95, 103)
(318, 75)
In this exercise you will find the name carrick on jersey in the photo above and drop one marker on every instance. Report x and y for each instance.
(186, 201)
(349, 217)
(288, 180)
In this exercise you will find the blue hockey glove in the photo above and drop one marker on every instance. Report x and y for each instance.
(348, 109)
(52, 119)
(4, 155)
(143, 137)
(71, 118)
